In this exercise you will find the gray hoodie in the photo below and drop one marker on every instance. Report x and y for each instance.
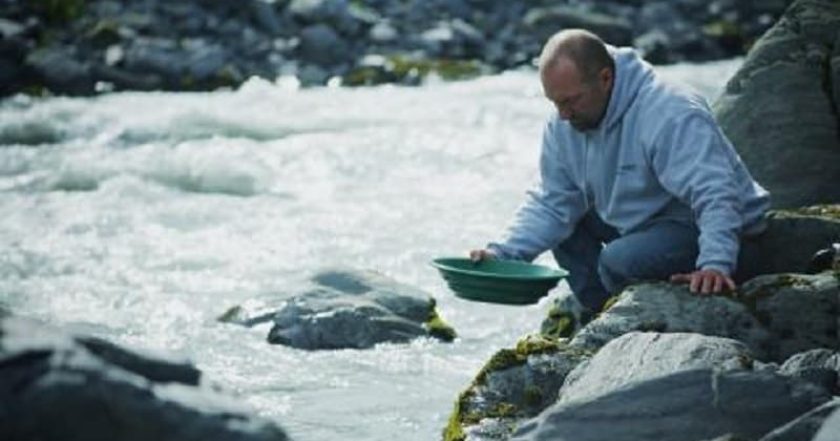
(658, 153)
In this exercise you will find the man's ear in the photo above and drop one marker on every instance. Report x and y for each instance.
(606, 77)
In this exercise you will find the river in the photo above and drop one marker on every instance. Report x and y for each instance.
(141, 217)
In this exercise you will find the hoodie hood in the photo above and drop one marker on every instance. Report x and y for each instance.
(631, 72)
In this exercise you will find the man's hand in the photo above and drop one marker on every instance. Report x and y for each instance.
(479, 255)
(705, 281)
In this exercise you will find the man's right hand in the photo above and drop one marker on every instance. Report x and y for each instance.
(479, 255)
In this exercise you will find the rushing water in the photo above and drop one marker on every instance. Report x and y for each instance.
(141, 217)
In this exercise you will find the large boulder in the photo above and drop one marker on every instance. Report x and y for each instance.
(761, 314)
(818, 365)
(664, 307)
(640, 356)
(55, 386)
(806, 426)
(687, 405)
(514, 385)
(545, 21)
(793, 237)
(830, 428)
(780, 109)
(799, 311)
(348, 308)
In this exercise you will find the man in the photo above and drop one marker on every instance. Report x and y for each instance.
(637, 180)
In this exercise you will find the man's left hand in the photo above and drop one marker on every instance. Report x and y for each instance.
(705, 282)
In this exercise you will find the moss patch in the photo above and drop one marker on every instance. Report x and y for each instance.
(559, 323)
(437, 327)
(825, 210)
(59, 11)
(462, 414)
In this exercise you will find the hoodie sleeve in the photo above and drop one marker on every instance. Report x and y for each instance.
(695, 162)
(551, 209)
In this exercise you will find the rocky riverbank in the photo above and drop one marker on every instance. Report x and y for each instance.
(82, 47)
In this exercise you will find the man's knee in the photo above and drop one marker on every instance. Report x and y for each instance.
(614, 269)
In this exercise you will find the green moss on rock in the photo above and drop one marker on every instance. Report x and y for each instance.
(825, 210)
(59, 11)
(462, 414)
(438, 328)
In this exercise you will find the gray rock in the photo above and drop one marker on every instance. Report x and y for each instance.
(61, 71)
(830, 428)
(761, 317)
(10, 29)
(321, 45)
(383, 33)
(266, 16)
(821, 366)
(638, 356)
(544, 21)
(687, 405)
(159, 56)
(792, 238)
(515, 384)
(795, 155)
(356, 309)
(806, 426)
(664, 307)
(55, 386)
(800, 311)
(334, 13)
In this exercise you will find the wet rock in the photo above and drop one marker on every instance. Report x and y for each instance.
(356, 309)
(795, 155)
(55, 386)
(696, 404)
(640, 356)
(806, 426)
(514, 385)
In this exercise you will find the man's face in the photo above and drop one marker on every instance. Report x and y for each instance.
(583, 102)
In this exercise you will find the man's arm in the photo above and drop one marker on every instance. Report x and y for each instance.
(695, 162)
(550, 211)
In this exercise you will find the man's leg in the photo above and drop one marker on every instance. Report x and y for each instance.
(655, 252)
(579, 256)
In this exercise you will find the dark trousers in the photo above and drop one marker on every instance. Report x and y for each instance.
(601, 262)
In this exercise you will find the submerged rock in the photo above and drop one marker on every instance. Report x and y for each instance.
(780, 109)
(55, 386)
(688, 405)
(350, 309)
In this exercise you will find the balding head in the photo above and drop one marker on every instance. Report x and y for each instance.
(583, 48)
(577, 75)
